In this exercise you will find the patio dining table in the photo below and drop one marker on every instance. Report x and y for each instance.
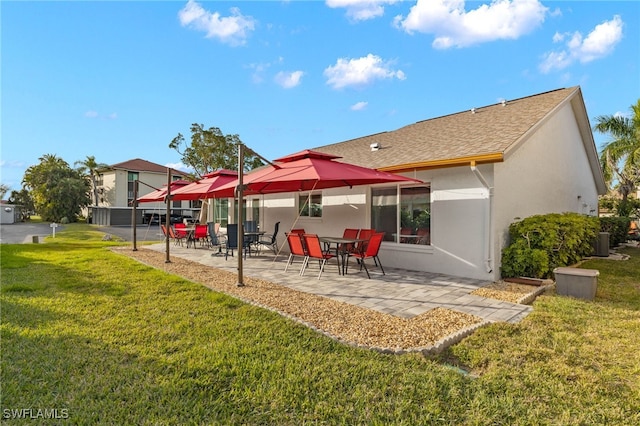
(191, 235)
(341, 255)
(254, 237)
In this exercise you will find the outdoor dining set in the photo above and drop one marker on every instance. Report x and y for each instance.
(210, 235)
(359, 244)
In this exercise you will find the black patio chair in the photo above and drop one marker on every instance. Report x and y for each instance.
(270, 240)
(214, 239)
(232, 241)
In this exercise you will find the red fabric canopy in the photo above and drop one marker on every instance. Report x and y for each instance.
(160, 194)
(305, 171)
(204, 187)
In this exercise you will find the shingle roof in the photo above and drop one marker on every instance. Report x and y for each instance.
(140, 165)
(488, 132)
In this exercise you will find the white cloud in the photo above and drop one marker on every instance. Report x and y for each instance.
(453, 26)
(179, 166)
(233, 29)
(94, 114)
(359, 106)
(258, 71)
(361, 10)
(360, 72)
(288, 80)
(599, 43)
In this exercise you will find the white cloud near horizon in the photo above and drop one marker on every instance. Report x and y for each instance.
(360, 72)
(179, 166)
(288, 80)
(233, 29)
(453, 26)
(94, 114)
(359, 106)
(600, 42)
(361, 10)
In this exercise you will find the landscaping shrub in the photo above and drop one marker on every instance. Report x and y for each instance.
(539, 244)
(617, 227)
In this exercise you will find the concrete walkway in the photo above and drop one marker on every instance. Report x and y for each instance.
(400, 292)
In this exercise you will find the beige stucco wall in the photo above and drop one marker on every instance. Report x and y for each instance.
(115, 186)
(549, 173)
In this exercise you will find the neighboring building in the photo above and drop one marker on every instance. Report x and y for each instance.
(9, 213)
(482, 169)
(115, 185)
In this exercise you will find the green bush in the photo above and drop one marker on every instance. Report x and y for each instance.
(617, 227)
(540, 243)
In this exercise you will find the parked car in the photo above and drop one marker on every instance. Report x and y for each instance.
(155, 218)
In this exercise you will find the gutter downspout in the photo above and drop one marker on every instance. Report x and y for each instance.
(488, 233)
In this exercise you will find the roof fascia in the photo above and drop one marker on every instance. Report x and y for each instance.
(494, 157)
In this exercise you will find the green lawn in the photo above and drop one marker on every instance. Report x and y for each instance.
(106, 340)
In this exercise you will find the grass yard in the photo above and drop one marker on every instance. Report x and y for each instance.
(103, 339)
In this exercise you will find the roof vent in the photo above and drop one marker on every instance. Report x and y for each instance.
(504, 102)
(473, 110)
(375, 146)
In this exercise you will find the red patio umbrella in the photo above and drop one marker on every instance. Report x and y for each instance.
(306, 171)
(160, 194)
(204, 187)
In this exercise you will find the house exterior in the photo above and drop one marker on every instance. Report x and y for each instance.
(482, 169)
(115, 186)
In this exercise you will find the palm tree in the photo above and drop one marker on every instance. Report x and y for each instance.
(90, 168)
(620, 157)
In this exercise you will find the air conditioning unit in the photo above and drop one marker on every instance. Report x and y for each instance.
(602, 244)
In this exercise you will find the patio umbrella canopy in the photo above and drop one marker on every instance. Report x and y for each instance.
(306, 171)
(204, 188)
(160, 194)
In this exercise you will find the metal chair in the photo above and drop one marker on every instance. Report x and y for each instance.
(364, 234)
(214, 238)
(270, 240)
(296, 248)
(314, 251)
(348, 233)
(201, 234)
(371, 252)
(177, 235)
(232, 241)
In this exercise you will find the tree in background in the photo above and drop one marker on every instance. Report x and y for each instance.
(58, 191)
(211, 150)
(89, 168)
(3, 190)
(620, 157)
(23, 198)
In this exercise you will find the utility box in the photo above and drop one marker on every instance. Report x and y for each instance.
(602, 244)
(576, 282)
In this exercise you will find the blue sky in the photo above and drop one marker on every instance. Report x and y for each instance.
(119, 80)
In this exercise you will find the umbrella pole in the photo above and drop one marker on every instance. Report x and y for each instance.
(133, 214)
(167, 217)
(239, 191)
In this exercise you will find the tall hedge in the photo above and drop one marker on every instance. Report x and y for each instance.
(617, 227)
(540, 243)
